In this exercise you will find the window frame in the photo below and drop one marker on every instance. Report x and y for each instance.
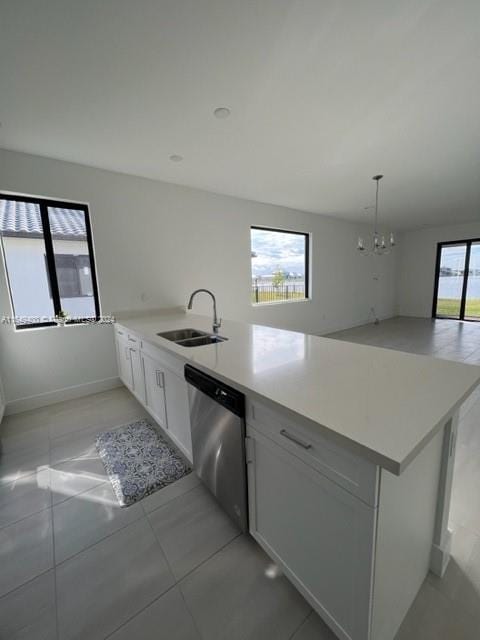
(44, 204)
(463, 300)
(307, 237)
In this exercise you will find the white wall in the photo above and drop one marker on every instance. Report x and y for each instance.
(156, 242)
(416, 265)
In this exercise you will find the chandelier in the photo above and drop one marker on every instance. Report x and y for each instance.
(379, 245)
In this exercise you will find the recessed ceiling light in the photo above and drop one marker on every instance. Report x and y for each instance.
(221, 112)
(176, 158)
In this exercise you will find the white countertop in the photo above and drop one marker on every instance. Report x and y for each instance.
(382, 404)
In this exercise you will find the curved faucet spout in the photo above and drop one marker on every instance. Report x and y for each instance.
(216, 322)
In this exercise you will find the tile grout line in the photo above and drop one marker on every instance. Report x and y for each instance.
(55, 591)
(93, 427)
(457, 604)
(20, 586)
(52, 504)
(174, 576)
(175, 583)
(301, 625)
(149, 604)
(87, 548)
(168, 501)
(34, 513)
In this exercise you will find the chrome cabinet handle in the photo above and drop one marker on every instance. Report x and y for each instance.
(132, 339)
(159, 377)
(120, 333)
(304, 445)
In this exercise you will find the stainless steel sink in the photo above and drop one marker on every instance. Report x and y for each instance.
(181, 334)
(198, 342)
(191, 337)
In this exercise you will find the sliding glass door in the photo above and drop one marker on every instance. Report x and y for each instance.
(472, 302)
(457, 281)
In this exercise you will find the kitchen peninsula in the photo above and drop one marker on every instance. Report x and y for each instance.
(353, 504)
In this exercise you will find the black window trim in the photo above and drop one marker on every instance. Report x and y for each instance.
(468, 246)
(44, 204)
(306, 234)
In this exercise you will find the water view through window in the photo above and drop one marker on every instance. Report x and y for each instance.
(279, 265)
(458, 281)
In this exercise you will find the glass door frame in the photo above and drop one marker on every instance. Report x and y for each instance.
(463, 301)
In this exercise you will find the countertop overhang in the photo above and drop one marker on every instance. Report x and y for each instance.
(381, 404)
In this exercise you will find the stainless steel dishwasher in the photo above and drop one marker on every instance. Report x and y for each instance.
(217, 417)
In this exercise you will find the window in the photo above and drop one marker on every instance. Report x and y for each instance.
(457, 281)
(74, 277)
(280, 265)
(48, 254)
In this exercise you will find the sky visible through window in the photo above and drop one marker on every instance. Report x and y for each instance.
(277, 251)
(454, 257)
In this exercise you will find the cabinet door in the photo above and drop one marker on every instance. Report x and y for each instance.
(124, 364)
(178, 412)
(155, 389)
(138, 379)
(321, 535)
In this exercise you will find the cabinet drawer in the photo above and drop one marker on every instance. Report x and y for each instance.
(356, 475)
(132, 339)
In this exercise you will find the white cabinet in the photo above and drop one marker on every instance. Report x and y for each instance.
(138, 378)
(130, 367)
(322, 536)
(178, 412)
(156, 379)
(155, 389)
(123, 359)
(167, 398)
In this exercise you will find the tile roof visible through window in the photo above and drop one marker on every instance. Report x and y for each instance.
(23, 219)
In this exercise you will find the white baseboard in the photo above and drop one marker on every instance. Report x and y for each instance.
(59, 395)
(359, 323)
(441, 555)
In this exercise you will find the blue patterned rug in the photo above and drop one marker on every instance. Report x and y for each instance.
(138, 461)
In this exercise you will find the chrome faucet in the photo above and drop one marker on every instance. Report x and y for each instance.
(217, 323)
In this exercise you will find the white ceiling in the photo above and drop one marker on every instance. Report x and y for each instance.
(323, 94)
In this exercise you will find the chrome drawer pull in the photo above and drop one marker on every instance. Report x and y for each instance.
(300, 443)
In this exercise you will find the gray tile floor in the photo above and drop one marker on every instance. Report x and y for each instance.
(76, 566)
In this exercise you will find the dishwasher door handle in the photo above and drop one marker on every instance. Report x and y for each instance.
(304, 445)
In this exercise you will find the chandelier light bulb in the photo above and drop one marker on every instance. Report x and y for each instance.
(360, 245)
(392, 240)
